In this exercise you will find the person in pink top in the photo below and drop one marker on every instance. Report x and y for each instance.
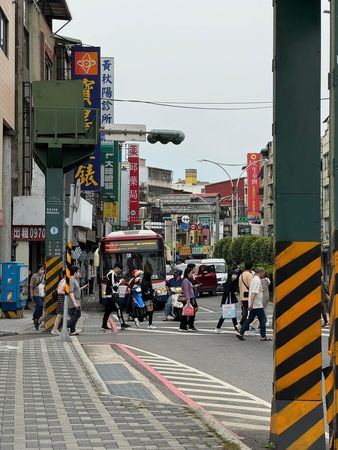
(187, 323)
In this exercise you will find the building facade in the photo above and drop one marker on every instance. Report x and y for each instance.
(7, 121)
(266, 190)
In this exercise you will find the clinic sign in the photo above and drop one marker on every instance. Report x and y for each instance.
(134, 178)
(253, 164)
(86, 66)
(107, 96)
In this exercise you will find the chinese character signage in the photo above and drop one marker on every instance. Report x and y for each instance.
(28, 233)
(111, 163)
(134, 191)
(86, 67)
(111, 212)
(253, 185)
(107, 96)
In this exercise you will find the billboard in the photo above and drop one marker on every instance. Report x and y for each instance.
(253, 169)
(86, 67)
(134, 179)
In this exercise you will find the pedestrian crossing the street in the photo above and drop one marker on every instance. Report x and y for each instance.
(233, 407)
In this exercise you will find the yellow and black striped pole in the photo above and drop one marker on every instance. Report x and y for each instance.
(64, 333)
(53, 273)
(297, 416)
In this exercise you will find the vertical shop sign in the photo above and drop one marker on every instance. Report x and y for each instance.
(86, 67)
(253, 185)
(134, 191)
(107, 96)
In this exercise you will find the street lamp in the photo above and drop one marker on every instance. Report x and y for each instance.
(233, 231)
(234, 189)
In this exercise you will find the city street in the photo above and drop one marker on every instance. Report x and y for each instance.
(229, 378)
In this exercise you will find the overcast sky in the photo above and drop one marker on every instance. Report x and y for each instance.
(191, 50)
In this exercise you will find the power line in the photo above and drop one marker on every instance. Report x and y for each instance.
(187, 105)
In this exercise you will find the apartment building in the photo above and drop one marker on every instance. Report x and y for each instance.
(7, 120)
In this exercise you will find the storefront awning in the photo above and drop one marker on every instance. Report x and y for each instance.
(55, 9)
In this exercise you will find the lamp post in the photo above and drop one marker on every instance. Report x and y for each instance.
(233, 231)
(234, 190)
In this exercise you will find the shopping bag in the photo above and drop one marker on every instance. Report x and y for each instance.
(229, 311)
(188, 311)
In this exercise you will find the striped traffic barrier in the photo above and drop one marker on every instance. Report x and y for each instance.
(297, 420)
(53, 273)
(12, 314)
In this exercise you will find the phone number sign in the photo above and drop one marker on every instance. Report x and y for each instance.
(28, 233)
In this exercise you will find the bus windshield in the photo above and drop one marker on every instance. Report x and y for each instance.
(151, 262)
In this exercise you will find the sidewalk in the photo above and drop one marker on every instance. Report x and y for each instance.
(47, 402)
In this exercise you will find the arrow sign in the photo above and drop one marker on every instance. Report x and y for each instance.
(154, 225)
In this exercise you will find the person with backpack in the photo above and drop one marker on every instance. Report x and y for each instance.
(244, 282)
(229, 298)
(113, 301)
(37, 290)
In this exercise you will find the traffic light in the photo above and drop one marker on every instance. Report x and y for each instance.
(165, 136)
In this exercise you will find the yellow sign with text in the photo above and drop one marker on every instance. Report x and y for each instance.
(111, 212)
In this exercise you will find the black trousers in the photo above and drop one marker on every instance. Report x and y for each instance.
(112, 305)
(245, 306)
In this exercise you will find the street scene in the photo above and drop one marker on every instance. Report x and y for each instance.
(168, 225)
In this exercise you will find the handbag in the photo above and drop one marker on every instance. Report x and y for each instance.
(188, 311)
(229, 311)
(245, 294)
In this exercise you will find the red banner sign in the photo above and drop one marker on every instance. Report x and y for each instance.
(28, 233)
(134, 178)
(253, 185)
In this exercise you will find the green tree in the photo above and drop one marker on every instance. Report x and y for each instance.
(257, 251)
(236, 250)
(246, 247)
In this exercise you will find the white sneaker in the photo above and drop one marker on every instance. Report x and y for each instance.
(152, 327)
(55, 332)
(137, 323)
(217, 330)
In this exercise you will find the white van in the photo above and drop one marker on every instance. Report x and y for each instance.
(221, 270)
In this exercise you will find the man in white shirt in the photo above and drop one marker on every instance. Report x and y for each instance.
(255, 306)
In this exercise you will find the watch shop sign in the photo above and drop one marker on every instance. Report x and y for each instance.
(28, 233)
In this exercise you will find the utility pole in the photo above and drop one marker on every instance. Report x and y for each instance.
(297, 411)
(331, 373)
(72, 207)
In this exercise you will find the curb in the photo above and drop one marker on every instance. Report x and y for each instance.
(91, 369)
(204, 416)
(218, 428)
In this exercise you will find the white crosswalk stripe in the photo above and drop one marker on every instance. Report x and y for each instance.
(235, 408)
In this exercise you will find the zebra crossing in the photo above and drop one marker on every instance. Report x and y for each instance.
(233, 407)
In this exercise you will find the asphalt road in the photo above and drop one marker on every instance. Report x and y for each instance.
(214, 361)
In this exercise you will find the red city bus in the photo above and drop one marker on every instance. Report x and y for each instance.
(134, 249)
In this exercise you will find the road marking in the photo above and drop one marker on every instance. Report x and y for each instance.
(247, 425)
(241, 416)
(240, 408)
(205, 309)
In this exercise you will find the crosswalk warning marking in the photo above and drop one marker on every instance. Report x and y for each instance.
(297, 420)
(241, 409)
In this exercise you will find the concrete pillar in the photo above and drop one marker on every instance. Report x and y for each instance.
(22, 252)
(5, 230)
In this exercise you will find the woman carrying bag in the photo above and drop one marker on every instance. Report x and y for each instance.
(190, 308)
(229, 301)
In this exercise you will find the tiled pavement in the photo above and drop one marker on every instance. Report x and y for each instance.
(47, 402)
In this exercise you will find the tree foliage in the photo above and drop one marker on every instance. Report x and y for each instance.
(257, 249)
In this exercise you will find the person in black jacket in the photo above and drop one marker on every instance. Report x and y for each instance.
(113, 304)
(148, 298)
(229, 297)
